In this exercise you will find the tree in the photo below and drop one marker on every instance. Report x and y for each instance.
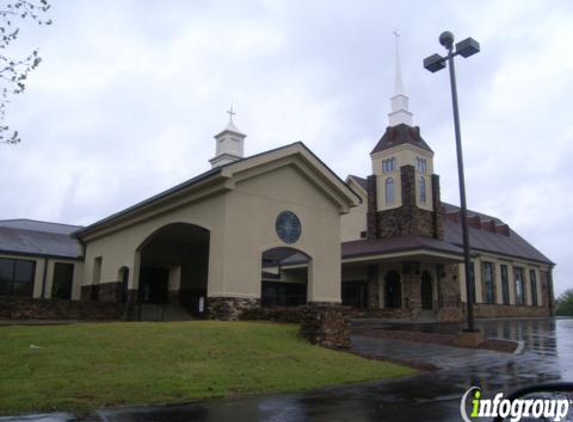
(14, 71)
(565, 304)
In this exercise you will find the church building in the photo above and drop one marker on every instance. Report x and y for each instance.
(280, 229)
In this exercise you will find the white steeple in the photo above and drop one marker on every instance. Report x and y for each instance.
(399, 101)
(229, 144)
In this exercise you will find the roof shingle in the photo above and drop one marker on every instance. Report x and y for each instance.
(399, 135)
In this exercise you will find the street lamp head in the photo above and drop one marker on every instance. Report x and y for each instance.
(434, 63)
(447, 39)
(467, 47)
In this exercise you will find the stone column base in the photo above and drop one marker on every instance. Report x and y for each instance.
(470, 339)
(86, 293)
(110, 292)
(326, 325)
(230, 308)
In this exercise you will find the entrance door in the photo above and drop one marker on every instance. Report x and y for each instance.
(426, 292)
(154, 284)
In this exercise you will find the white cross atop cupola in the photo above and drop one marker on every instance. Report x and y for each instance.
(229, 144)
(399, 113)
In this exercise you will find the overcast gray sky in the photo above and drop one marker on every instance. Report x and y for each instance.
(130, 94)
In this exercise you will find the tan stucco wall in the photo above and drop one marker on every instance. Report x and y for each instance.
(404, 155)
(241, 222)
(353, 223)
(119, 249)
(252, 208)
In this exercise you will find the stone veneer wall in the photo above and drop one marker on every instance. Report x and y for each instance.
(373, 287)
(412, 296)
(438, 214)
(407, 219)
(29, 308)
(230, 308)
(546, 281)
(86, 292)
(449, 294)
(494, 310)
(388, 313)
(324, 324)
(110, 292)
(107, 292)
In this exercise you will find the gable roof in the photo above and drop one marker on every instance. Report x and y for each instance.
(39, 238)
(512, 244)
(509, 244)
(153, 199)
(224, 172)
(365, 247)
(361, 181)
(399, 135)
(42, 226)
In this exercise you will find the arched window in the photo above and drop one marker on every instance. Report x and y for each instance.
(422, 190)
(421, 164)
(389, 191)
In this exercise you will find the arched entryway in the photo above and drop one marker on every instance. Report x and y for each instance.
(174, 267)
(284, 277)
(393, 289)
(426, 291)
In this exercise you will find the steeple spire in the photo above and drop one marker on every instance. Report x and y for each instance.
(399, 113)
(229, 143)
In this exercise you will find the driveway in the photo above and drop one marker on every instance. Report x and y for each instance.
(432, 396)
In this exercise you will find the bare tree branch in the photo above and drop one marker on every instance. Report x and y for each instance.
(14, 71)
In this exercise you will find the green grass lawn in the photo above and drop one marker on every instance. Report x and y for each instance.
(84, 366)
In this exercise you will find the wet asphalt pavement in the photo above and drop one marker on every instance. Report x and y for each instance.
(431, 396)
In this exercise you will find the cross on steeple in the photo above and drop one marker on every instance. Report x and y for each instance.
(231, 113)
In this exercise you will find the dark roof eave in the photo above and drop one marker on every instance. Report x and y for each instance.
(547, 261)
(152, 200)
(191, 182)
(404, 249)
(41, 255)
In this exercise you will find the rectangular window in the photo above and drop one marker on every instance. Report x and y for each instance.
(473, 281)
(63, 280)
(519, 286)
(504, 284)
(533, 284)
(488, 278)
(17, 277)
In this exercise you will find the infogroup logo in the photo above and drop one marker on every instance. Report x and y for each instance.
(548, 409)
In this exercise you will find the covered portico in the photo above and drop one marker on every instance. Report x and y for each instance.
(206, 237)
(403, 277)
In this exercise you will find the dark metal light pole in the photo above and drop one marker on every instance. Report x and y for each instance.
(434, 63)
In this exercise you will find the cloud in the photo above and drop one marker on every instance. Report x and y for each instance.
(130, 94)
